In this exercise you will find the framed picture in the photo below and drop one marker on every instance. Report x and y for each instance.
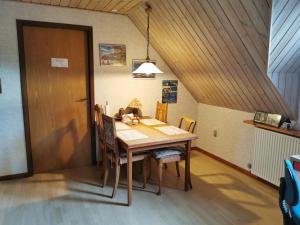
(260, 117)
(169, 91)
(274, 120)
(136, 64)
(112, 54)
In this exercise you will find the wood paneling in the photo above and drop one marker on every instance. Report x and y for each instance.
(218, 49)
(284, 52)
(115, 6)
(285, 37)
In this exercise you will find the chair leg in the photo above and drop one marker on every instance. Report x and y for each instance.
(149, 168)
(190, 181)
(159, 170)
(177, 169)
(116, 180)
(145, 172)
(141, 167)
(106, 173)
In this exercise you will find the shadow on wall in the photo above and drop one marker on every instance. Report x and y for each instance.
(61, 149)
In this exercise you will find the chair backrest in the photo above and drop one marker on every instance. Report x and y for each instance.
(98, 120)
(292, 185)
(161, 111)
(289, 195)
(187, 124)
(110, 134)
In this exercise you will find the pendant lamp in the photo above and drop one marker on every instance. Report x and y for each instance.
(147, 67)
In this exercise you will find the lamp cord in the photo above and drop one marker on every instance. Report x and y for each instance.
(148, 38)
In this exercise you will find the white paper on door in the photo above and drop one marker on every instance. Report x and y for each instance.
(59, 62)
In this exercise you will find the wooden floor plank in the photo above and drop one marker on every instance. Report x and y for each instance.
(220, 196)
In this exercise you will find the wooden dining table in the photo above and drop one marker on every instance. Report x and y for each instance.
(155, 140)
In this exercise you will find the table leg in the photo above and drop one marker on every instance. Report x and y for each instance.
(187, 166)
(129, 177)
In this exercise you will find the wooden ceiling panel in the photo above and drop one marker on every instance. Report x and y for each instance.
(284, 52)
(220, 46)
(217, 48)
(285, 37)
(114, 6)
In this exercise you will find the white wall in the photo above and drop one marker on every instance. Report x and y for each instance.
(113, 84)
(234, 141)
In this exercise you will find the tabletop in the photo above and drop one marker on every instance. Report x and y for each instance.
(154, 136)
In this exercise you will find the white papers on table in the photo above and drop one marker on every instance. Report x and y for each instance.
(130, 135)
(171, 130)
(151, 122)
(122, 126)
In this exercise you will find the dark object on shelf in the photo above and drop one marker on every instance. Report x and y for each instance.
(286, 124)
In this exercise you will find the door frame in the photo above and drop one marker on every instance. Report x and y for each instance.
(90, 86)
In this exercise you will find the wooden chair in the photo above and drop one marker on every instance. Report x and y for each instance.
(117, 156)
(99, 126)
(161, 111)
(173, 154)
(189, 125)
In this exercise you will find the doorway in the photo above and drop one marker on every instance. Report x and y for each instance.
(56, 63)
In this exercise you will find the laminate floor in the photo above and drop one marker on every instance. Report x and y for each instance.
(220, 195)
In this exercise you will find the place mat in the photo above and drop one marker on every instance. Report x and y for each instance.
(131, 135)
(151, 122)
(171, 130)
(122, 126)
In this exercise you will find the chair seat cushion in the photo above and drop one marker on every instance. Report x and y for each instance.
(165, 153)
(180, 148)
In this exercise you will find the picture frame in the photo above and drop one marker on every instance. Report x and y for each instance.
(274, 120)
(169, 91)
(112, 54)
(260, 117)
(136, 63)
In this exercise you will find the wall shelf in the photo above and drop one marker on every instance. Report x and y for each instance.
(292, 133)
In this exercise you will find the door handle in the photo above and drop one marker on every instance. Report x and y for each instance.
(81, 100)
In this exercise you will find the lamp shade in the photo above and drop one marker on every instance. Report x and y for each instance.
(147, 68)
(135, 103)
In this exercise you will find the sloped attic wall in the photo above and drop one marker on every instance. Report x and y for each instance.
(284, 51)
(218, 49)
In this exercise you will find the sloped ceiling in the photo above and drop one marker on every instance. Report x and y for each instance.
(284, 52)
(115, 6)
(217, 48)
(285, 37)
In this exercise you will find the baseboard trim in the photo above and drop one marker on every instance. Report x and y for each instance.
(14, 176)
(246, 172)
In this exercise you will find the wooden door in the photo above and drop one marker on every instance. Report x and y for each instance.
(56, 67)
